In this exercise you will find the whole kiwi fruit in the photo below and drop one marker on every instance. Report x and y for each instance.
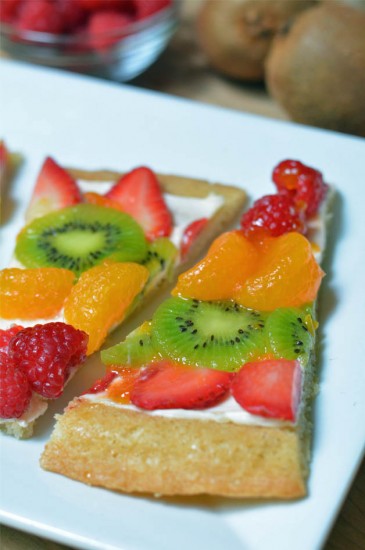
(316, 69)
(236, 34)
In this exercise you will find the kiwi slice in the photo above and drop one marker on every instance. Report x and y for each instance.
(161, 255)
(218, 335)
(79, 237)
(289, 333)
(136, 350)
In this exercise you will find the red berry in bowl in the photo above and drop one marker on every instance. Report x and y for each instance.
(15, 391)
(40, 16)
(9, 10)
(46, 353)
(146, 8)
(100, 5)
(106, 28)
(274, 215)
(304, 184)
(71, 13)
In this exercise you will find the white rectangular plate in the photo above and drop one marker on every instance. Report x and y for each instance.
(87, 123)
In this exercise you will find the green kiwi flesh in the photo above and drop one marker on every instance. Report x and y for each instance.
(161, 256)
(217, 335)
(79, 237)
(135, 351)
(288, 335)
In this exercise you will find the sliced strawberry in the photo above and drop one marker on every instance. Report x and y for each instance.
(140, 195)
(269, 388)
(102, 383)
(54, 189)
(190, 234)
(164, 385)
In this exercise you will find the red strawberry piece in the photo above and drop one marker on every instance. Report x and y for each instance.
(8, 10)
(145, 8)
(303, 183)
(163, 385)
(39, 15)
(47, 353)
(6, 336)
(106, 28)
(140, 195)
(274, 214)
(15, 391)
(190, 234)
(269, 388)
(54, 189)
(102, 383)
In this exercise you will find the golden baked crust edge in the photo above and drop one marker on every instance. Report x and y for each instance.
(131, 451)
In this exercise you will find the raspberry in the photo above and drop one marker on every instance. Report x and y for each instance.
(6, 336)
(46, 353)
(304, 184)
(275, 214)
(15, 391)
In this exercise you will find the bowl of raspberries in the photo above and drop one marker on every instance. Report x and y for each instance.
(116, 39)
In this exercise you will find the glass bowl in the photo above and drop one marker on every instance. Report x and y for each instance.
(122, 56)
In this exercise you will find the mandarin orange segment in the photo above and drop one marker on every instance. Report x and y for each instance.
(37, 293)
(287, 275)
(229, 261)
(100, 200)
(101, 298)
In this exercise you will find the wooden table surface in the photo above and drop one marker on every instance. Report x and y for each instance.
(183, 71)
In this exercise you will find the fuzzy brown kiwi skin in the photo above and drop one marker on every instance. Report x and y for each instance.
(236, 34)
(316, 70)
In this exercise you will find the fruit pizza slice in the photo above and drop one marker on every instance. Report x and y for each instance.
(96, 245)
(213, 394)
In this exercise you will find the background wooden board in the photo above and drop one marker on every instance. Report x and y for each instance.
(183, 71)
